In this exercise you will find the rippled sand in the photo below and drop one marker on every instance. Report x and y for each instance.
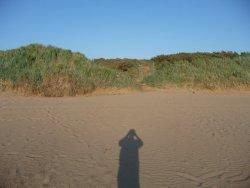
(186, 140)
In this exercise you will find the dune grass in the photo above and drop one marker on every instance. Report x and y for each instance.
(211, 73)
(52, 71)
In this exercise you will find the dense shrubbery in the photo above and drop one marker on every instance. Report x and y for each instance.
(55, 72)
(191, 57)
(135, 68)
(223, 70)
(52, 71)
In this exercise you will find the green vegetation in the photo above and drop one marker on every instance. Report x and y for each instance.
(207, 70)
(192, 57)
(51, 71)
(136, 69)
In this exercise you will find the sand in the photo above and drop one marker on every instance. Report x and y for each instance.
(176, 139)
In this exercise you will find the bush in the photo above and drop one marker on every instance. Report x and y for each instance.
(52, 71)
(210, 73)
(194, 56)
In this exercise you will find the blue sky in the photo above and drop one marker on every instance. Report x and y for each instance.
(127, 28)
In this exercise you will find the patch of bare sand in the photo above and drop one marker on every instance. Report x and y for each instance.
(111, 91)
(181, 139)
(168, 88)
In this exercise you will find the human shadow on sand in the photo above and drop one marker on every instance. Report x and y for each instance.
(128, 174)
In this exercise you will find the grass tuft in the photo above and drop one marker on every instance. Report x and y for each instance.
(52, 71)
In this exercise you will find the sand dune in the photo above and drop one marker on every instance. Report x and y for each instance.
(180, 139)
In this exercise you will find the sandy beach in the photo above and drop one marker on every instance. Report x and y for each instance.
(148, 139)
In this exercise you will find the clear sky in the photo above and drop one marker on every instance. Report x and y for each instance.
(127, 28)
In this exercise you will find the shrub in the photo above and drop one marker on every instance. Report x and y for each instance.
(52, 71)
(209, 73)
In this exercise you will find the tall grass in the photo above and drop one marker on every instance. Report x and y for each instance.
(51, 71)
(136, 69)
(229, 72)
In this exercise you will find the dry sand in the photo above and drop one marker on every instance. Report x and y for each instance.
(184, 139)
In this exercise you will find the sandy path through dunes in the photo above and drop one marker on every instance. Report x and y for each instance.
(189, 140)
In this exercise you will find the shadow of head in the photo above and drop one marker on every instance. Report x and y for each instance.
(128, 173)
